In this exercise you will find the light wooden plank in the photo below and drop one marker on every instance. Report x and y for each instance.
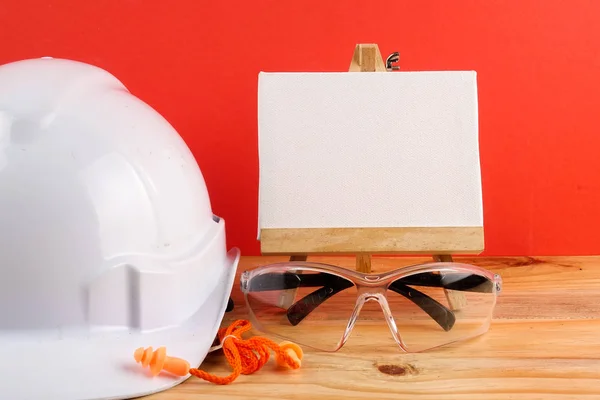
(446, 240)
(544, 343)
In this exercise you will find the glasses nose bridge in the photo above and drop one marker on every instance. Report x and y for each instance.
(366, 293)
(370, 291)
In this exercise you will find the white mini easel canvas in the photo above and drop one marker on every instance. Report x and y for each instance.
(365, 162)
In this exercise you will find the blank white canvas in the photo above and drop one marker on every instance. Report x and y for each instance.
(381, 149)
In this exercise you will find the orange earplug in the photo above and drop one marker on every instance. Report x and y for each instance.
(244, 356)
(159, 361)
(291, 349)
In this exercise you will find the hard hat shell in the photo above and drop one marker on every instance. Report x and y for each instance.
(107, 238)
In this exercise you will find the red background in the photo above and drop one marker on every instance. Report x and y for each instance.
(196, 62)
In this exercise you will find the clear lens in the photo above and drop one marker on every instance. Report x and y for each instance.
(432, 309)
(291, 303)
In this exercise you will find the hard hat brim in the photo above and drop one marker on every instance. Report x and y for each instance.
(69, 368)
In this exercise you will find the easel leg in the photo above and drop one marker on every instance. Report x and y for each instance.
(456, 300)
(363, 263)
(287, 297)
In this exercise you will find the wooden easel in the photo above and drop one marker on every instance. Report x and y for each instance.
(299, 243)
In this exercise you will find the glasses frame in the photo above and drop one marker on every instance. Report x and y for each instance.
(372, 287)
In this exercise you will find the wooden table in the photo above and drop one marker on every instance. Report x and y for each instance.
(544, 343)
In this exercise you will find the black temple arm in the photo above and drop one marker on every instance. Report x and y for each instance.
(303, 307)
(444, 317)
(288, 280)
(451, 281)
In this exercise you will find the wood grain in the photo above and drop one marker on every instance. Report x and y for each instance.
(446, 240)
(544, 343)
(363, 263)
(366, 58)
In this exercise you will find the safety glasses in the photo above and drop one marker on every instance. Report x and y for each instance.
(425, 306)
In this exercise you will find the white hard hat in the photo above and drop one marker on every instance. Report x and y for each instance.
(107, 238)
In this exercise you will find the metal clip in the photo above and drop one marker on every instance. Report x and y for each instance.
(390, 60)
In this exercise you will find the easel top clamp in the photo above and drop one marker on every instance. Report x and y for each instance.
(441, 242)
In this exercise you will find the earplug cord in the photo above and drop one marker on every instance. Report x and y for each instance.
(247, 356)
